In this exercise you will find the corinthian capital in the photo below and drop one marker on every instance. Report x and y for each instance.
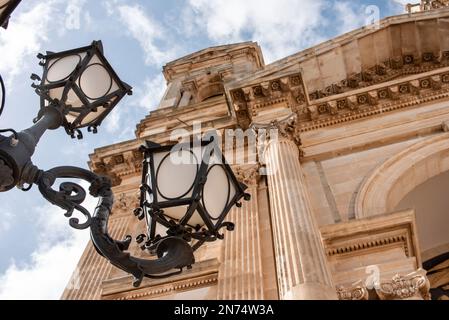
(280, 129)
(358, 292)
(248, 174)
(414, 285)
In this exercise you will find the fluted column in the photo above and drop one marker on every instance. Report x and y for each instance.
(302, 269)
(241, 275)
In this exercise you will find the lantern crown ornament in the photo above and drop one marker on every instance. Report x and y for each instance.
(187, 191)
(82, 85)
(6, 8)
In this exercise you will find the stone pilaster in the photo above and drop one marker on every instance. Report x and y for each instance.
(302, 270)
(241, 275)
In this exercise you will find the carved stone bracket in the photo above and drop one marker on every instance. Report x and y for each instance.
(357, 292)
(248, 174)
(412, 286)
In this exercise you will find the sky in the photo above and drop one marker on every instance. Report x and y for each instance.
(38, 249)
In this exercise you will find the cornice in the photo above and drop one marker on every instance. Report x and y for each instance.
(415, 89)
(377, 233)
(203, 274)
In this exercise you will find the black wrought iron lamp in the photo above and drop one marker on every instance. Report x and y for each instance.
(187, 191)
(83, 83)
(78, 89)
(6, 8)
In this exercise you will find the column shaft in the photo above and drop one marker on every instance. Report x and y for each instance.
(301, 263)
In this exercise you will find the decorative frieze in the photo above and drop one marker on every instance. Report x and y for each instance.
(415, 91)
(117, 166)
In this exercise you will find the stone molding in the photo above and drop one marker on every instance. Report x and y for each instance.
(118, 165)
(203, 274)
(376, 233)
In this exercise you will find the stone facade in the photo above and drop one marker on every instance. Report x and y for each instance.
(362, 120)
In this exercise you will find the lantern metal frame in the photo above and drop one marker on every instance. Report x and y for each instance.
(16, 151)
(10, 6)
(3, 93)
(73, 82)
(152, 208)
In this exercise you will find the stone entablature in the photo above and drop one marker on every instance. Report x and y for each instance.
(402, 46)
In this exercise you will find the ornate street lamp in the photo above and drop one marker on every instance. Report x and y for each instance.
(83, 83)
(187, 189)
(69, 78)
(6, 8)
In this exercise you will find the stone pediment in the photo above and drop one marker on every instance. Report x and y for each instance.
(212, 56)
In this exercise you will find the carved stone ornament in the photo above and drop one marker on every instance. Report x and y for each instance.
(286, 128)
(249, 175)
(125, 203)
(357, 292)
(414, 285)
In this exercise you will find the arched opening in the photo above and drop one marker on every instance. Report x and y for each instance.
(210, 91)
(387, 185)
(430, 200)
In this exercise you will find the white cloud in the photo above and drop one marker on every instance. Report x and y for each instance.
(150, 35)
(348, 16)
(281, 27)
(146, 97)
(24, 38)
(152, 92)
(52, 263)
(6, 221)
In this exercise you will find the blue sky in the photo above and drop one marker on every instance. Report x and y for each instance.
(38, 249)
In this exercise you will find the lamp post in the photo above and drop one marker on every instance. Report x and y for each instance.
(187, 189)
(6, 8)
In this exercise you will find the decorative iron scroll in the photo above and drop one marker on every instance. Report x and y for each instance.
(172, 252)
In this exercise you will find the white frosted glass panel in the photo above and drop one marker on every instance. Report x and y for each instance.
(95, 81)
(216, 191)
(60, 69)
(71, 116)
(177, 213)
(93, 116)
(72, 98)
(176, 175)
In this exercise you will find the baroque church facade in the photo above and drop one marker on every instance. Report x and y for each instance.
(348, 203)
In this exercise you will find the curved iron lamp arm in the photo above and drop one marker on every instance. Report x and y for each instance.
(172, 252)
